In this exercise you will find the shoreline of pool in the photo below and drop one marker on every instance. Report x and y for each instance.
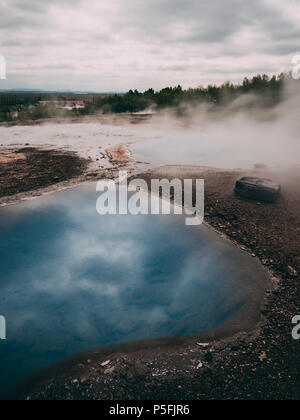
(218, 345)
(247, 320)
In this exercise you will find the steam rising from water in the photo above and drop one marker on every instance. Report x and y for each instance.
(236, 137)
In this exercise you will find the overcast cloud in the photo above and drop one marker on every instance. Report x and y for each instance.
(115, 45)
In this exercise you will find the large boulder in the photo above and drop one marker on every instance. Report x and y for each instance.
(258, 189)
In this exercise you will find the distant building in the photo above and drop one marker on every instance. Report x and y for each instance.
(75, 104)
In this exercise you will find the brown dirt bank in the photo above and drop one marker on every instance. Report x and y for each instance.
(118, 119)
(29, 169)
(262, 364)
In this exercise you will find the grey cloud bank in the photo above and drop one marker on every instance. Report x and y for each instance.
(118, 44)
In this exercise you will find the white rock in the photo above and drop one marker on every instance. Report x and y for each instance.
(263, 356)
(204, 345)
(109, 371)
(292, 271)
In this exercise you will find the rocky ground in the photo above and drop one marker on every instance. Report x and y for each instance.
(29, 169)
(259, 364)
(27, 172)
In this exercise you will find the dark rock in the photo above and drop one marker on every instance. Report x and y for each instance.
(258, 189)
(208, 357)
(260, 166)
(235, 348)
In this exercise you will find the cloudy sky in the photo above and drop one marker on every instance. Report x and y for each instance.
(115, 45)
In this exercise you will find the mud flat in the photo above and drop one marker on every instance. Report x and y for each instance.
(30, 169)
(120, 119)
(259, 362)
(49, 155)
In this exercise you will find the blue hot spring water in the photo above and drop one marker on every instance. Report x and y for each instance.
(72, 280)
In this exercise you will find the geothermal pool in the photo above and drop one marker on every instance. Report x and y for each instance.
(72, 280)
(228, 145)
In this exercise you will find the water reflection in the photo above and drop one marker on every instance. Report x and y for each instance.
(72, 280)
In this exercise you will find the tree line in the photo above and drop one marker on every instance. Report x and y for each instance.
(268, 92)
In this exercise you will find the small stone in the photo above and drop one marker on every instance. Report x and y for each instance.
(200, 365)
(260, 166)
(109, 371)
(209, 357)
(105, 363)
(204, 345)
(84, 378)
(263, 356)
(292, 271)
